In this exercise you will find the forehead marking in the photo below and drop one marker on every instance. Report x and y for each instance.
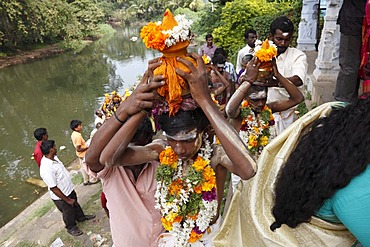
(258, 95)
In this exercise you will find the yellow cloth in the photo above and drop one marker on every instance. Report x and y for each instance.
(248, 220)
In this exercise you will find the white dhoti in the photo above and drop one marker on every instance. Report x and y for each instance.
(284, 119)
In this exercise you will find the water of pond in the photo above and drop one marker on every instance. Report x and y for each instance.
(50, 93)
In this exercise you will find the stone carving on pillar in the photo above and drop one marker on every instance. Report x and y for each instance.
(308, 26)
(327, 62)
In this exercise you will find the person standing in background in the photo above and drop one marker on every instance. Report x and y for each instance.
(350, 19)
(208, 48)
(59, 182)
(100, 117)
(291, 63)
(81, 147)
(40, 134)
(250, 37)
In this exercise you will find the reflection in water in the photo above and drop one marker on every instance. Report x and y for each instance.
(50, 93)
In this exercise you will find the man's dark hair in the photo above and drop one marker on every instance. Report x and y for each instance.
(209, 36)
(247, 58)
(74, 123)
(46, 146)
(218, 59)
(183, 120)
(248, 31)
(144, 132)
(39, 133)
(221, 51)
(283, 23)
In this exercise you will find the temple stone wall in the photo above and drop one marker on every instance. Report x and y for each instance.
(308, 26)
(327, 62)
(321, 82)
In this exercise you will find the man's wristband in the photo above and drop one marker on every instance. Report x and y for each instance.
(119, 120)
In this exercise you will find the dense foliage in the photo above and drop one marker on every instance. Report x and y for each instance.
(239, 15)
(25, 24)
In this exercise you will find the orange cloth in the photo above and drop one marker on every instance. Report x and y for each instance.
(175, 86)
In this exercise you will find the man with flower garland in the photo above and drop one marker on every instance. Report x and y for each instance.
(186, 137)
(190, 169)
(291, 63)
(253, 117)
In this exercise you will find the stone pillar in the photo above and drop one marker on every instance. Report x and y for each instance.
(308, 26)
(327, 62)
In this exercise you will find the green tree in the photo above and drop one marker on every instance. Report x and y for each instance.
(239, 15)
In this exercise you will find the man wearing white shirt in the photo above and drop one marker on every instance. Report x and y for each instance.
(291, 63)
(250, 36)
(59, 182)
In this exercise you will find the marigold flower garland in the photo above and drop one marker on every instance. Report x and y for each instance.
(155, 37)
(266, 51)
(255, 131)
(187, 199)
(112, 101)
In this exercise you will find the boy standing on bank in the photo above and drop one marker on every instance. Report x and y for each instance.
(80, 145)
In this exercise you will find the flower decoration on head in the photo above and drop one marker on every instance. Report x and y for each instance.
(112, 102)
(266, 51)
(162, 35)
(255, 132)
(171, 37)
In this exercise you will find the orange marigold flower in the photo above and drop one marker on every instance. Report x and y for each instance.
(245, 103)
(168, 157)
(208, 173)
(153, 37)
(175, 187)
(166, 224)
(198, 189)
(200, 163)
(267, 52)
(194, 237)
(178, 219)
(208, 186)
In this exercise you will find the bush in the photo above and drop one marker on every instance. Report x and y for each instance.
(239, 15)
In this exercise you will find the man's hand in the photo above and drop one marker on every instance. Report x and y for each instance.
(145, 93)
(251, 71)
(71, 201)
(197, 78)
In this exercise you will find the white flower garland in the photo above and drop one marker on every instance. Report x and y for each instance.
(258, 45)
(181, 231)
(179, 32)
